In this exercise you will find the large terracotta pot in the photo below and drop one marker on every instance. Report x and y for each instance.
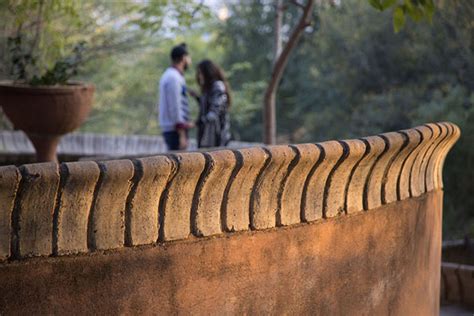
(46, 113)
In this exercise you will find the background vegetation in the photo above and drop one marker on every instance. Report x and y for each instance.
(350, 76)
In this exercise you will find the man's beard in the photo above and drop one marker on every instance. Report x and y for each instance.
(186, 66)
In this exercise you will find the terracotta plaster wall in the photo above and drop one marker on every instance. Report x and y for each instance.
(87, 208)
(382, 262)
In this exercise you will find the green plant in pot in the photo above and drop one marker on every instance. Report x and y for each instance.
(41, 101)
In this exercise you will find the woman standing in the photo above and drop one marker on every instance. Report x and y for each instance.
(213, 124)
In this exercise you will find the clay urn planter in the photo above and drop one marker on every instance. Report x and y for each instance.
(46, 113)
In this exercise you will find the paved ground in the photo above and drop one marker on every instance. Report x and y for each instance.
(452, 310)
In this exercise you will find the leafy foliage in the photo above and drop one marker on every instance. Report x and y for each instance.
(169, 15)
(36, 36)
(20, 58)
(60, 73)
(417, 10)
(33, 43)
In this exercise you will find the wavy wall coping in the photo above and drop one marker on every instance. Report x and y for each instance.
(79, 207)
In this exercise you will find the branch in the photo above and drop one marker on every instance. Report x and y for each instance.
(279, 9)
(198, 7)
(277, 72)
(105, 49)
(280, 64)
(296, 3)
(39, 27)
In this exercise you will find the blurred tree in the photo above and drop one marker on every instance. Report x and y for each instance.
(280, 60)
(417, 10)
(356, 77)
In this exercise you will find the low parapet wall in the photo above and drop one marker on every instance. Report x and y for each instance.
(16, 148)
(92, 207)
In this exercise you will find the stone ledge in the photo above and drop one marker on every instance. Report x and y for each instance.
(457, 283)
(129, 203)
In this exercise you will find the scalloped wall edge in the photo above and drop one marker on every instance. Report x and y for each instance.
(79, 207)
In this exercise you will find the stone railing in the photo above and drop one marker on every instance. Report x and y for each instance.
(91, 207)
(457, 273)
(16, 144)
(15, 147)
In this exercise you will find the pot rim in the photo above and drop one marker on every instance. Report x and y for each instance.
(70, 87)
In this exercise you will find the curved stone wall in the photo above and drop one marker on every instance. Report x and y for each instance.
(333, 228)
(80, 207)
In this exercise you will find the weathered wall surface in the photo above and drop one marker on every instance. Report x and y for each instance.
(457, 273)
(457, 283)
(378, 263)
(346, 217)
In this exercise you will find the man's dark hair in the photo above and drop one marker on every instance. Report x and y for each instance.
(178, 52)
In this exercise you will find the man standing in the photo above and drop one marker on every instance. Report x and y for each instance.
(173, 103)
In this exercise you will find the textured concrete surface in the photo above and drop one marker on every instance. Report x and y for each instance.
(373, 186)
(251, 161)
(466, 278)
(415, 137)
(417, 177)
(9, 182)
(385, 261)
(290, 209)
(142, 220)
(358, 180)
(163, 198)
(451, 284)
(264, 203)
(457, 283)
(455, 133)
(339, 178)
(391, 179)
(437, 137)
(376, 194)
(332, 151)
(75, 201)
(396, 143)
(108, 211)
(431, 167)
(211, 193)
(35, 210)
(179, 197)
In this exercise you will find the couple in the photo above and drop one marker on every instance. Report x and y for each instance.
(213, 123)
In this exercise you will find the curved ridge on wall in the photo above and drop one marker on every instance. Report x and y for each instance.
(79, 207)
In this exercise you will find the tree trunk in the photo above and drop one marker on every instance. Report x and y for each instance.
(269, 108)
(270, 115)
(279, 9)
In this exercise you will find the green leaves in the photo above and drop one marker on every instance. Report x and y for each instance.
(21, 59)
(388, 3)
(63, 69)
(398, 19)
(49, 29)
(382, 4)
(155, 15)
(35, 32)
(376, 4)
(417, 10)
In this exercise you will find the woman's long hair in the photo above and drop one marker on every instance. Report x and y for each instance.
(211, 73)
